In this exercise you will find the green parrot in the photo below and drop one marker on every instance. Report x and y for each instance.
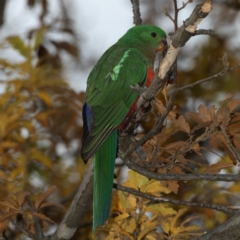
(109, 100)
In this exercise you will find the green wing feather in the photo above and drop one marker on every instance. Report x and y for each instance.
(111, 99)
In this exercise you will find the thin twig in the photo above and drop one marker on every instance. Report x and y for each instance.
(220, 74)
(18, 226)
(27, 233)
(136, 12)
(231, 148)
(154, 199)
(37, 224)
(181, 177)
(209, 32)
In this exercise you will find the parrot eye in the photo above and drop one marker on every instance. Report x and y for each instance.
(153, 34)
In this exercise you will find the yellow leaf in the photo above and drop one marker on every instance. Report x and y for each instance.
(19, 45)
(128, 201)
(131, 199)
(39, 37)
(123, 200)
(154, 187)
(45, 97)
(38, 155)
(160, 208)
(149, 228)
(177, 216)
(130, 225)
(121, 218)
(165, 225)
(137, 178)
(130, 185)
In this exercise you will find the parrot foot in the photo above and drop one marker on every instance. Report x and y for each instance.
(137, 88)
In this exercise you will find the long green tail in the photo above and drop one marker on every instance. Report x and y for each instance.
(104, 162)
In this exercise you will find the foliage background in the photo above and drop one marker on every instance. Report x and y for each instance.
(41, 127)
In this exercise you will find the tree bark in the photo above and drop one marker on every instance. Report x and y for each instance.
(2, 8)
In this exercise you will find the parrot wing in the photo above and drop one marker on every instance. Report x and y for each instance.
(109, 97)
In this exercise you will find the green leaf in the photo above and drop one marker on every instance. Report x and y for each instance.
(19, 45)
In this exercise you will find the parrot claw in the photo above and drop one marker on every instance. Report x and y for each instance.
(137, 88)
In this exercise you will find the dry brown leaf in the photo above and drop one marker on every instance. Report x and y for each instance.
(20, 197)
(55, 204)
(223, 116)
(3, 226)
(233, 104)
(217, 167)
(195, 117)
(7, 215)
(9, 203)
(182, 124)
(171, 185)
(175, 146)
(43, 217)
(236, 141)
(43, 196)
(204, 114)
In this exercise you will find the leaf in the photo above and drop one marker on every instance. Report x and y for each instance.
(136, 178)
(68, 47)
(130, 225)
(233, 104)
(217, 167)
(7, 215)
(195, 117)
(39, 37)
(20, 197)
(204, 113)
(161, 209)
(179, 214)
(123, 200)
(43, 196)
(42, 117)
(9, 203)
(45, 97)
(154, 187)
(149, 226)
(43, 217)
(38, 155)
(121, 217)
(223, 116)
(48, 204)
(19, 45)
(182, 124)
(171, 185)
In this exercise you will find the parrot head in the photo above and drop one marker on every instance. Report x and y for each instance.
(146, 38)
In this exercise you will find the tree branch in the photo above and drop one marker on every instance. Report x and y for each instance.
(209, 32)
(136, 12)
(228, 230)
(80, 204)
(154, 199)
(2, 8)
(37, 224)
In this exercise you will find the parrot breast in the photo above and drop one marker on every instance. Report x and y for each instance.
(150, 75)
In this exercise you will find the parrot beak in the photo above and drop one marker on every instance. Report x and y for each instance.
(162, 45)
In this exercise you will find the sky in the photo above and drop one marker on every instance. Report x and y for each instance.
(98, 24)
